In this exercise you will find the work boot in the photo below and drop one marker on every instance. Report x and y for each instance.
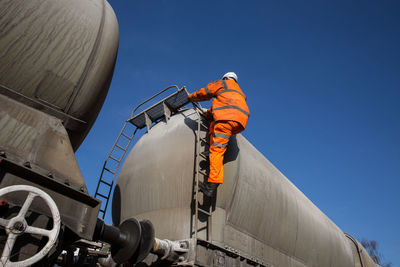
(208, 189)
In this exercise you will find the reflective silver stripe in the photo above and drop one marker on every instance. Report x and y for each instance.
(208, 91)
(225, 85)
(226, 136)
(219, 144)
(234, 107)
(231, 90)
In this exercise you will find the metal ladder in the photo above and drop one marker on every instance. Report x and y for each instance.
(111, 166)
(204, 207)
(161, 110)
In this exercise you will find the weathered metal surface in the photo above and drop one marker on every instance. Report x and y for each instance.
(38, 138)
(77, 213)
(36, 151)
(258, 211)
(59, 54)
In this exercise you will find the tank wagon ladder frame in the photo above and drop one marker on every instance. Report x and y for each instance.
(207, 247)
(109, 184)
(162, 109)
(198, 172)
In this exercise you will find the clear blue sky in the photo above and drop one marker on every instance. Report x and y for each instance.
(323, 86)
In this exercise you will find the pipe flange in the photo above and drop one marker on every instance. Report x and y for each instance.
(132, 229)
(146, 242)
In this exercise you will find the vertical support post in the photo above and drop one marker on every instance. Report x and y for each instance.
(148, 121)
(197, 176)
(167, 112)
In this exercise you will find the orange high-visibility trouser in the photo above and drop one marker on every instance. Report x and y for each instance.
(220, 132)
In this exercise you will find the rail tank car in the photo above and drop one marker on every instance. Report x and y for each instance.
(56, 62)
(258, 218)
(58, 56)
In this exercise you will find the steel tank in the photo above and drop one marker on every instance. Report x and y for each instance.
(58, 56)
(258, 211)
(56, 62)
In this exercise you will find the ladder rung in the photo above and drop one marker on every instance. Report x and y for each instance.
(205, 140)
(203, 125)
(201, 172)
(102, 181)
(120, 147)
(118, 160)
(202, 229)
(204, 156)
(103, 196)
(127, 136)
(109, 170)
(205, 212)
(205, 153)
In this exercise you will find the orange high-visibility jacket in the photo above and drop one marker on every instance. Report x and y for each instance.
(229, 101)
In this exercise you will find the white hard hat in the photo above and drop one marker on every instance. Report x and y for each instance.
(230, 76)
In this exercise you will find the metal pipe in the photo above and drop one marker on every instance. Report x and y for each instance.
(110, 234)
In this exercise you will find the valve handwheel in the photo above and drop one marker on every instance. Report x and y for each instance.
(18, 225)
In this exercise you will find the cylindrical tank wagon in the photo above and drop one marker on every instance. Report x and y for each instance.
(58, 56)
(257, 211)
(56, 63)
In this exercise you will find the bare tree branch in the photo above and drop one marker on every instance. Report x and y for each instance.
(371, 246)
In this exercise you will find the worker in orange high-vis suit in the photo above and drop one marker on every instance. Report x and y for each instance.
(229, 114)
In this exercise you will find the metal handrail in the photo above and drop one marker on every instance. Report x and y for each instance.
(198, 106)
(359, 251)
(147, 100)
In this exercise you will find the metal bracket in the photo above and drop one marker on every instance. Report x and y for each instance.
(167, 112)
(180, 252)
(148, 121)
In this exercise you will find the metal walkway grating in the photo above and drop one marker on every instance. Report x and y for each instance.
(162, 109)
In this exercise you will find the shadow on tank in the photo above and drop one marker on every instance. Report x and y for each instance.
(231, 154)
(116, 206)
